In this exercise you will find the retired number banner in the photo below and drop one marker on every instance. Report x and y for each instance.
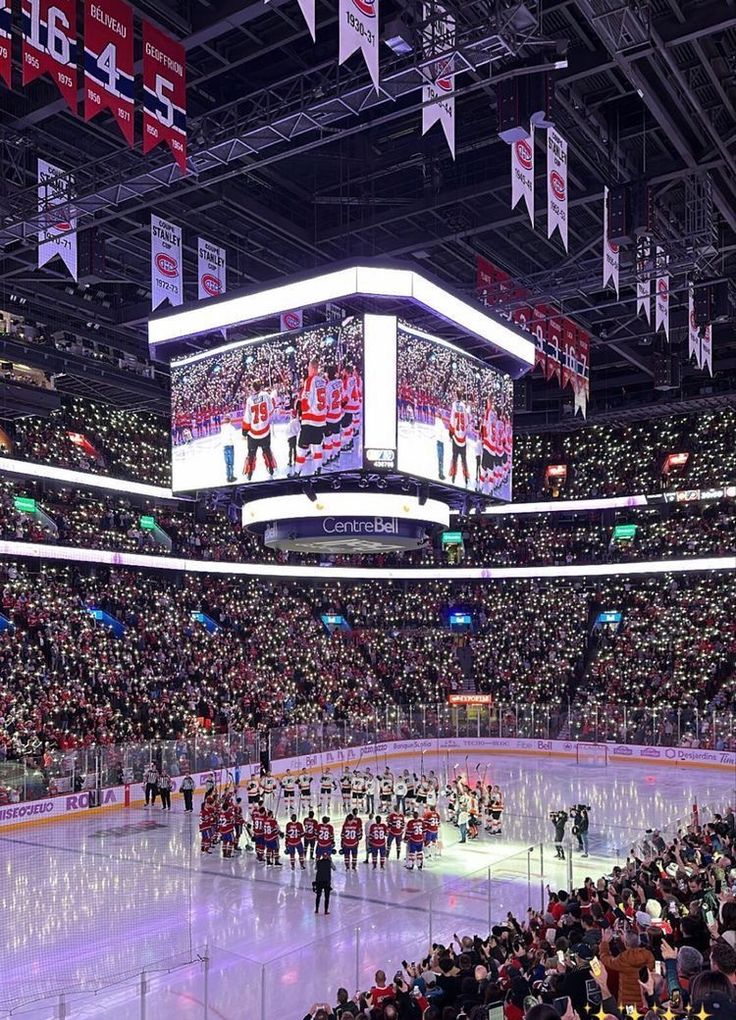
(166, 270)
(108, 62)
(212, 269)
(358, 30)
(50, 44)
(164, 94)
(6, 24)
(58, 237)
(438, 101)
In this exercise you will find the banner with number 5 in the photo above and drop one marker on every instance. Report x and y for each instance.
(164, 94)
(108, 62)
(50, 44)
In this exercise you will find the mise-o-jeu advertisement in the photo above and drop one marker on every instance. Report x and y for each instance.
(286, 406)
(455, 416)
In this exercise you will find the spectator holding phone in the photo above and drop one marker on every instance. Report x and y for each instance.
(627, 965)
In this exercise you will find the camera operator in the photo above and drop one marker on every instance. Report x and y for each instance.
(580, 826)
(559, 820)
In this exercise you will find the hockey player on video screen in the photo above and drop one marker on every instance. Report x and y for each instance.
(459, 415)
(313, 404)
(257, 420)
(333, 426)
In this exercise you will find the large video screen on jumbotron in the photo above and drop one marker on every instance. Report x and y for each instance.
(277, 407)
(454, 416)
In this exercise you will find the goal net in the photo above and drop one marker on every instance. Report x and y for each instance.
(592, 754)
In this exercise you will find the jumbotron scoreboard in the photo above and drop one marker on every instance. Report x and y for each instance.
(349, 411)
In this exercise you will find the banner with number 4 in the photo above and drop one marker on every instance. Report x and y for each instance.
(50, 44)
(164, 94)
(108, 62)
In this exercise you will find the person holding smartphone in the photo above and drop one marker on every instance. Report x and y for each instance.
(627, 965)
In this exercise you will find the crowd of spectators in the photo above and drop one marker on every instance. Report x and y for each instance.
(656, 937)
(67, 679)
(99, 520)
(602, 460)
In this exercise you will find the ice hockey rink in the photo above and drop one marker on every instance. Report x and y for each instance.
(98, 900)
(200, 464)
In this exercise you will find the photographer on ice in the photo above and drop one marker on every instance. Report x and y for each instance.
(559, 820)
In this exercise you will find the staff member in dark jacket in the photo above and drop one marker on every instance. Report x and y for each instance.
(323, 883)
(187, 789)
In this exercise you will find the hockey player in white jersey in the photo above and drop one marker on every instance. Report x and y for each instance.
(257, 420)
(313, 406)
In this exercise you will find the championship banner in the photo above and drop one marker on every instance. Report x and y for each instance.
(6, 25)
(212, 269)
(50, 44)
(307, 7)
(164, 94)
(108, 62)
(569, 352)
(694, 347)
(662, 300)
(581, 375)
(706, 349)
(437, 95)
(643, 287)
(554, 347)
(556, 185)
(493, 285)
(522, 173)
(57, 237)
(358, 30)
(292, 320)
(610, 251)
(539, 330)
(166, 271)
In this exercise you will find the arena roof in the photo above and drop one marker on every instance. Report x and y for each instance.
(295, 164)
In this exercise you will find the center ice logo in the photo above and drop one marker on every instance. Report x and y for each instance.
(524, 154)
(166, 264)
(558, 186)
(366, 7)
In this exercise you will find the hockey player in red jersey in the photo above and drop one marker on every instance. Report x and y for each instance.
(414, 839)
(258, 815)
(351, 403)
(431, 821)
(310, 834)
(295, 841)
(395, 823)
(271, 837)
(377, 834)
(226, 823)
(257, 419)
(350, 837)
(325, 839)
(313, 408)
(208, 823)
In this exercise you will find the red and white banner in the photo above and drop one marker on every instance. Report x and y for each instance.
(522, 173)
(556, 185)
(662, 300)
(706, 349)
(358, 30)
(108, 62)
(164, 93)
(561, 347)
(6, 27)
(307, 7)
(610, 251)
(50, 44)
(693, 332)
(212, 269)
(643, 287)
(292, 320)
(58, 237)
(437, 95)
(167, 283)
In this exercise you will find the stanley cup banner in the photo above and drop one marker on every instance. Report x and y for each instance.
(662, 300)
(610, 251)
(166, 270)
(522, 173)
(50, 44)
(359, 31)
(694, 347)
(212, 269)
(108, 62)
(581, 374)
(437, 95)
(706, 349)
(556, 185)
(643, 287)
(57, 236)
(6, 20)
(164, 94)
(307, 7)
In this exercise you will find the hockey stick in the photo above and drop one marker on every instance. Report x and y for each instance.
(467, 774)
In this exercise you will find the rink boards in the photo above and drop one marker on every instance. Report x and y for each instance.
(50, 809)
